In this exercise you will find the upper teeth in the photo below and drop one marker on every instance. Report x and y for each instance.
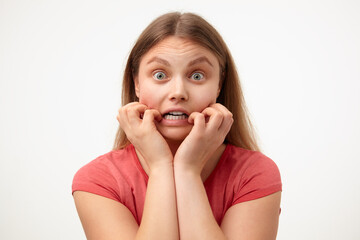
(176, 113)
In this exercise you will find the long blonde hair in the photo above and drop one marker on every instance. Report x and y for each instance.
(195, 28)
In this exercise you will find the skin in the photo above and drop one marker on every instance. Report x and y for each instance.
(178, 155)
(189, 83)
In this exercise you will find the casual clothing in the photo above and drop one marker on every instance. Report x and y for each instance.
(240, 175)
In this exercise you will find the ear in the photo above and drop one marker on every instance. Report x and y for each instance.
(137, 89)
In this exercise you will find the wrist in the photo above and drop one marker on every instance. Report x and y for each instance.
(160, 168)
(186, 170)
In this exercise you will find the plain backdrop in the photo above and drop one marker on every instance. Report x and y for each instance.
(61, 64)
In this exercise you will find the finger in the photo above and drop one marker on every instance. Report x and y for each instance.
(150, 115)
(124, 109)
(215, 117)
(223, 109)
(134, 113)
(191, 117)
(122, 116)
(133, 103)
(227, 116)
(225, 128)
(157, 114)
(198, 119)
(129, 115)
(123, 119)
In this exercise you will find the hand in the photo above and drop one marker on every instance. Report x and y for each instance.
(137, 121)
(209, 131)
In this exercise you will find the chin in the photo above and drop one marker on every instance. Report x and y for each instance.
(175, 134)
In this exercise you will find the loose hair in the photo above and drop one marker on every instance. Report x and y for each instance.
(195, 28)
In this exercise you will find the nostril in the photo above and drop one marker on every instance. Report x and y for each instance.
(178, 95)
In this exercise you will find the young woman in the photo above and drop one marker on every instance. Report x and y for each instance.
(185, 163)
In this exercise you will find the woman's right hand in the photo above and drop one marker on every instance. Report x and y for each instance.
(137, 121)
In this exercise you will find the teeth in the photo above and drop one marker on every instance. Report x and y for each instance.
(176, 113)
(171, 117)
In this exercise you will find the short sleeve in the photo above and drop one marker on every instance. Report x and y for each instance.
(95, 178)
(260, 178)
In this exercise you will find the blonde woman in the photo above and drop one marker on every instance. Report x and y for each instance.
(185, 163)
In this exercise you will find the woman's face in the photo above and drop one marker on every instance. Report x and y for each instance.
(177, 77)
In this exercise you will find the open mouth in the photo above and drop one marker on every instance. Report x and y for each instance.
(175, 116)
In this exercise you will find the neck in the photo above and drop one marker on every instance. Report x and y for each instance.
(173, 145)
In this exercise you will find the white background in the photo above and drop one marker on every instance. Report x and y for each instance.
(61, 64)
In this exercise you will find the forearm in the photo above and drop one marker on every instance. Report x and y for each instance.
(159, 220)
(196, 220)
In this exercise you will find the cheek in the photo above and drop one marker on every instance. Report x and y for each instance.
(203, 101)
(207, 95)
(148, 97)
(144, 98)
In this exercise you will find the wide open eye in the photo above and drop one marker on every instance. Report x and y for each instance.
(197, 76)
(159, 75)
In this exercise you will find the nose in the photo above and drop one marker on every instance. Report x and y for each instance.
(178, 90)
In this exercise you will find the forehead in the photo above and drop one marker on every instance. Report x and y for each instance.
(180, 48)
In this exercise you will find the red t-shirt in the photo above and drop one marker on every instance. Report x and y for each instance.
(240, 175)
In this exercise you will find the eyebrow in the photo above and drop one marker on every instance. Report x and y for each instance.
(159, 60)
(193, 62)
(200, 60)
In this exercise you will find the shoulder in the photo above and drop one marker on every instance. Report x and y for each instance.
(103, 174)
(108, 163)
(255, 174)
(249, 160)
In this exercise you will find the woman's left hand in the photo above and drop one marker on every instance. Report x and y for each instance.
(209, 131)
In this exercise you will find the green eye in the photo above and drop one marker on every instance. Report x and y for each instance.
(159, 76)
(197, 76)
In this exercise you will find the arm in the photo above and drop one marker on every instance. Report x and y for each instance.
(103, 218)
(159, 220)
(253, 220)
(250, 220)
(196, 220)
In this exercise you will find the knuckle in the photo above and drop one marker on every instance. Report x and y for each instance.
(229, 115)
(121, 110)
(150, 111)
(218, 116)
(200, 116)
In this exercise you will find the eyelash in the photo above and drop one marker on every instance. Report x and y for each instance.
(157, 73)
(192, 74)
(202, 75)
